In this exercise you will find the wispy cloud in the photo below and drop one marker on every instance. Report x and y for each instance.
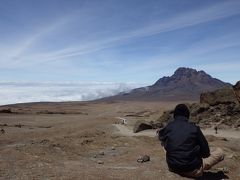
(19, 52)
(188, 19)
(117, 41)
(207, 46)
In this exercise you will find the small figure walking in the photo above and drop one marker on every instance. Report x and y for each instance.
(216, 129)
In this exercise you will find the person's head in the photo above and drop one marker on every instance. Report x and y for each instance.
(181, 110)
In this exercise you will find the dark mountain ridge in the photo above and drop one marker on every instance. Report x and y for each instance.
(184, 84)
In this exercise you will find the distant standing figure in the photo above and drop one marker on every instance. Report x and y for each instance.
(216, 129)
(187, 150)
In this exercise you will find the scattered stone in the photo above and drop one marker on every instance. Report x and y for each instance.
(95, 156)
(2, 131)
(100, 162)
(121, 121)
(56, 145)
(86, 141)
(44, 141)
(18, 125)
(101, 153)
(113, 148)
(143, 159)
(230, 156)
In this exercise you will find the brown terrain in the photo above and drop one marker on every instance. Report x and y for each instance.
(83, 141)
(96, 140)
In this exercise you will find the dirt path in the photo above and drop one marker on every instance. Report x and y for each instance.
(222, 133)
(127, 131)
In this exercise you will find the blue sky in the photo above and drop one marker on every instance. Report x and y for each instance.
(117, 40)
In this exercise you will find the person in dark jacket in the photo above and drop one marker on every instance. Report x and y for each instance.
(187, 150)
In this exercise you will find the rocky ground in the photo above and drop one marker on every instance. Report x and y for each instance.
(220, 109)
(81, 141)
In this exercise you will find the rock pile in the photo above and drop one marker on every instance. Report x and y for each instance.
(236, 89)
(218, 108)
(221, 96)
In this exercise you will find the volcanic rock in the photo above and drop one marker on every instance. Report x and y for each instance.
(2, 131)
(218, 108)
(221, 96)
(143, 159)
(197, 108)
(101, 153)
(141, 125)
(236, 89)
(166, 117)
(100, 162)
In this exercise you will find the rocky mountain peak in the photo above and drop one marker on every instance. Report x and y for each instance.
(182, 71)
(190, 73)
(185, 75)
(184, 84)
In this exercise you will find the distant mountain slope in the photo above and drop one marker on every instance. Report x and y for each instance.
(184, 84)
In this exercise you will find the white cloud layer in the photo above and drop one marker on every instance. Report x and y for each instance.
(19, 92)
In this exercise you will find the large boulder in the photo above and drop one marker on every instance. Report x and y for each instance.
(166, 117)
(236, 89)
(8, 110)
(141, 125)
(197, 108)
(221, 96)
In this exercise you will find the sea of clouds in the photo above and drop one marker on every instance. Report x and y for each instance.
(20, 92)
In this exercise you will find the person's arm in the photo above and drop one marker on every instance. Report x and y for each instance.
(204, 148)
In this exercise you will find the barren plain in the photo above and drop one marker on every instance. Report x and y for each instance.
(81, 140)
